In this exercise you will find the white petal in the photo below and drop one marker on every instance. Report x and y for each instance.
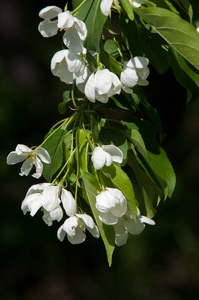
(102, 98)
(70, 225)
(90, 225)
(39, 168)
(103, 81)
(121, 239)
(48, 28)
(115, 152)
(146, 220)
(109, 159)
(23, 149)
(44, 155)
(75, 63)
(59, 66)
(14, 158)
(98, 158)
(119, 227)
(129, 77)
(127, 89)
(37, 188)
(50, 12)
(140, 62)
(61, 233)
(50, 198)
(32, 203)
(134, 227)
(26, 167)
(108, 218)
(78, 238)
(49, 217)
(72, 40)
(135, 4)
(90, 88)
(80, 26)
(106, 6)
(82, 80)
(105, 201)
(120, 207)
(65, 20)
(68, 202)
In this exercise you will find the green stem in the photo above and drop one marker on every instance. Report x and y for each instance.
(76, 9)
(73, 96)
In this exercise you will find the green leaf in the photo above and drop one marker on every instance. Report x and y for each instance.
(145, 190)
(107, 232)
(121, 181)
(54, 147)
(97, 124)
(128, 8)
(91, 14)
(177, 32)
(162, 166)
(81, 145)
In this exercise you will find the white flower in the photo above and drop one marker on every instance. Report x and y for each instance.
(112, 205)
(30, 158)
(75, 30)
(126, 224)
(48, 197)
(82, 80)
(105, 155)
(66, 65)
(75, 228)
(102, 85)
(134, 72)
(197, 29)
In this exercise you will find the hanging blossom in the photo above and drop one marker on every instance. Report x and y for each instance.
(48, 198)
(75, 228)
(75, 30)
(135, 72)
(106, 155)
(30, 158)
(102, 85)
(106, 5)
(127, 224)
(112, 205)
(67, 66)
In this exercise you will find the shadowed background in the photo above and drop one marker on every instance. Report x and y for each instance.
(163, 262)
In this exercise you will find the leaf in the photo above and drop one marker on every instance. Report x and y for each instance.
(81, 145)
(91, 14)
(145, 190)
(107, 232)
(177, 32)
(54, 147)
(62, 107)
(128, 8)
(97, 124)
(121, 181)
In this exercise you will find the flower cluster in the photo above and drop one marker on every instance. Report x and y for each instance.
(87, 164)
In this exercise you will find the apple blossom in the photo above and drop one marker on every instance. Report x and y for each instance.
(75, 30)
(48, 197)
(127, 224)
(105, 155)
(102, 85)
(75, 228)
(135, 71)
(30, 158)
(112, 205)
(66, 65)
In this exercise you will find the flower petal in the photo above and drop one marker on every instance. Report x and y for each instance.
(14, 158)
(121, 239)
(50, 198)
(90, 225)
(65, 20)
(106, 6)
(72, 40)
(39, 168)
(129, 77)
(146, 220)
(61, 233)
(134, 227)
(26, 167)
(115, 152)
(108, 218)
(44, 155)
(48, 28)
(98, 158)
(68, 202)
(90, 88)
(49, 12)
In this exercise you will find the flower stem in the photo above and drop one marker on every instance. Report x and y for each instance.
(76, 9)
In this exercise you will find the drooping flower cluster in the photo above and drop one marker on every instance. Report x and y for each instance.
(95, 81)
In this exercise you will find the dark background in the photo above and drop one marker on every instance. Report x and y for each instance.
(163, 262)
